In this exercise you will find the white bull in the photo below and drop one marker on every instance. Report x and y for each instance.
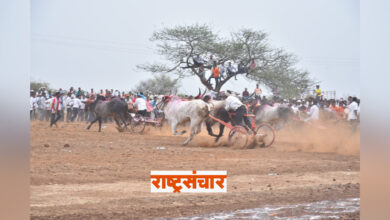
(178, 112)
(277, 114)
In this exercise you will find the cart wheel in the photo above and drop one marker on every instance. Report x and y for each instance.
(137, 124)
(238, 136)
(265, 133)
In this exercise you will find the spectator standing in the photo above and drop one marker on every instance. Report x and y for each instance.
(36, 111)
(313, 113)
(62, 92)
(76, 104)
(79, 92)
(43, 90)
(353, 116)
(245, 94)
(114, 94)
(55, 109)
(90, 113)
(221, 70)
(42, 106)
(317, 92)
(48, 108)
(68, 106)
(257, 92)
(83, 101)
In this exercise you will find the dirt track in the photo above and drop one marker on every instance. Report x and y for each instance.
(107, 175)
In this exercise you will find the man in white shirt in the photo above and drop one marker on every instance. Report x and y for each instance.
(83, 101)
(68, 105)
(353, 108)
(41, 106)
(36, 106)
(198, 61)
(76, 104)
(294, 107)
(140, 104)
(353, 116)
(222, 70)
(117, 93)
(48, 108)
(231, 70)
(235, 105)
(314, 112)
(211, 61)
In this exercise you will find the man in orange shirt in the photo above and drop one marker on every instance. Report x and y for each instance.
(339, 110)
(214, 73)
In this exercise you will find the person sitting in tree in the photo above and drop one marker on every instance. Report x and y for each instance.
(198, 61)
(231, 70)
(242, 68)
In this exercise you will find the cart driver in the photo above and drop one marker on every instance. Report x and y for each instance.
(140, 104)
(233, 104)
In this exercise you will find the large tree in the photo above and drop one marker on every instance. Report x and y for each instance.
(159, 84)
(274, 67)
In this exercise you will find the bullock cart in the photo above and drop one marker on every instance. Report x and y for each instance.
(138, 122)
(239, 136)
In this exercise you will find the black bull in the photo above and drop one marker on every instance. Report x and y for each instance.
(219, 113)
(116, 107)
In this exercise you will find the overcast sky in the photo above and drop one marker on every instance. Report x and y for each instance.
(97, 44)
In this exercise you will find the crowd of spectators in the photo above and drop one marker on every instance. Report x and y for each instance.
(72, 105)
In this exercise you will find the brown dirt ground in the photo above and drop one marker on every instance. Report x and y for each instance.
(107, 175)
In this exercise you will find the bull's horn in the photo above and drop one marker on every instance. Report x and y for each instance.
(205, 90)
(198, 93)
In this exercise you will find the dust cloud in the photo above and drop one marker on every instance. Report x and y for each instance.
(337, 138)
(322, 137)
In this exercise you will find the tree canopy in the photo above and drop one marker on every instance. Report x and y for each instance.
(34, 85)
(274, 67)
(159, 84)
